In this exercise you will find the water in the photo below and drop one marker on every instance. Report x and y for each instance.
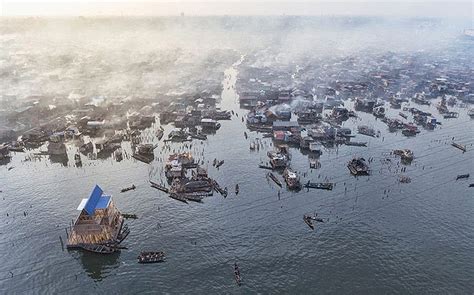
(412, 238)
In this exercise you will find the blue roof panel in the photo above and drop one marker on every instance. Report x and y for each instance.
(103, 202)
(93, 200)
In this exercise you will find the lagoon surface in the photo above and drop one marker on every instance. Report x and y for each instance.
(380, 235)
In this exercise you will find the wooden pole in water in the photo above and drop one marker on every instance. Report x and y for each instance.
(67, 234)
(62, 244)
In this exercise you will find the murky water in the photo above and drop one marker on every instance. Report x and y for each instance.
(381, 237)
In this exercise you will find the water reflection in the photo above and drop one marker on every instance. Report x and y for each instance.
(60, 159)
(98, 266)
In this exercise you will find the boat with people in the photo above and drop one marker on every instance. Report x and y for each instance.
(292, 180)
(237, 276)
(128, 188)
(358, 166)
(308, 221)
(405, 154)
(319, 185)
(450, 115)
(462, 176)
(151, 257)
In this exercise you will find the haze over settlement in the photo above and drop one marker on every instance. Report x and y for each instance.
(228, 147)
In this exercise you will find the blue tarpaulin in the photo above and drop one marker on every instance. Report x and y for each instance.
(96, 201)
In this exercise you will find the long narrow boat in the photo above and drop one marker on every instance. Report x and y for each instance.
(462, 176)
(274, 178)
(356, 143)
(319, 185)
(159, 187)
(178, 197)
(238, 278)
(151, 257)
(128, 188)
(98, 248)
(309, 221)
(459, 146)
(194, 197)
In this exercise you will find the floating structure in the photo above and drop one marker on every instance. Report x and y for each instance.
(470, 113)
(144, 153)
(366, 130)
(99, 227)
(292, 180)
(406, 155)
(358, 166)
(210, 124)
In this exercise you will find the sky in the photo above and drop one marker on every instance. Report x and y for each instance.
(433, 8)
